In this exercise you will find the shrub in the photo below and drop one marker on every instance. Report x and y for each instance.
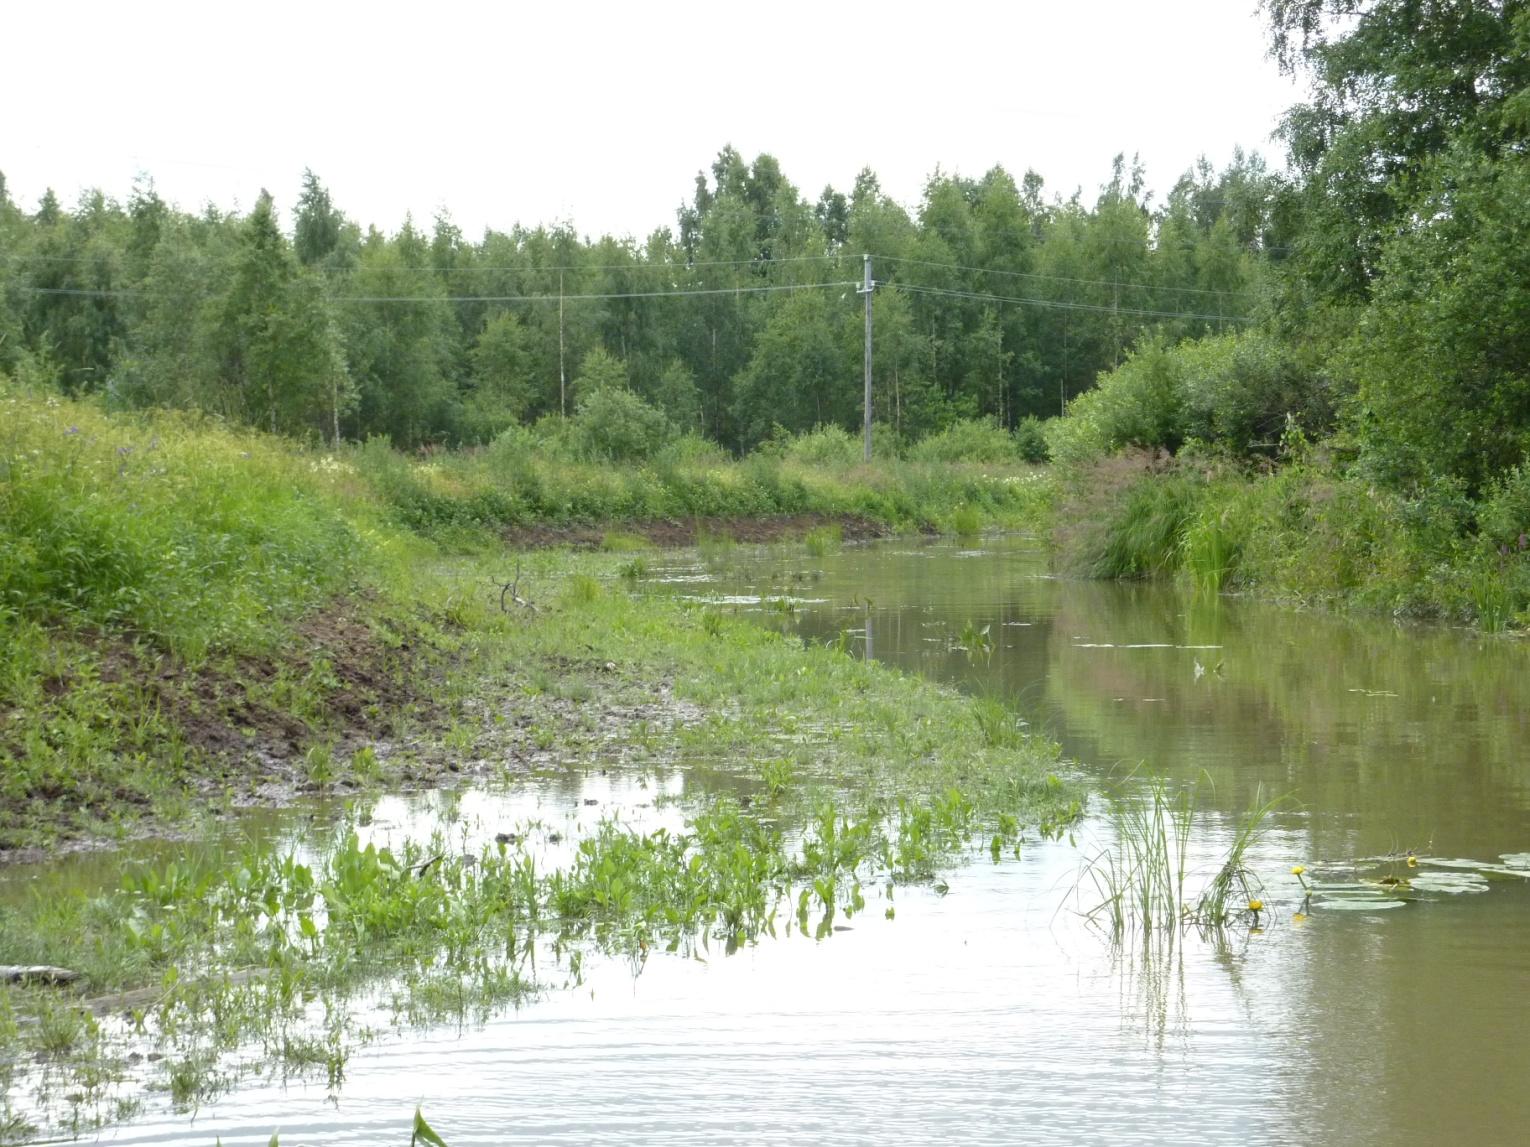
(824, 446)
(1232, 392)
(614, 424)
(1031, 440)
(967, 440)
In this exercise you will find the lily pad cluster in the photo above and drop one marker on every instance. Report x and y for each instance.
(1380, 883)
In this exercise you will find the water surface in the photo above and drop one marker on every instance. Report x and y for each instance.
(994, 1013)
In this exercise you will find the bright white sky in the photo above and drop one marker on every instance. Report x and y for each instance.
(602, 114)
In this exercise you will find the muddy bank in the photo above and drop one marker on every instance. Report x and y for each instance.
(677, 532)
(229, 730)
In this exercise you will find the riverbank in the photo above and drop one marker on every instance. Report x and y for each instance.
(195, 619)
(198, 622)
(1303, 534)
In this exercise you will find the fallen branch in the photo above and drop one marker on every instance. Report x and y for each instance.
(508, 592)
(36, 974)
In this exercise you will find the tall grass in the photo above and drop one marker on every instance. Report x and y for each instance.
(1145, 536)
(1210, 549)
(522, 479)
(1144, 882)
(189, 534)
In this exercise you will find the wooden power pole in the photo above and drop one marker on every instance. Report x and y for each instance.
(867, 286)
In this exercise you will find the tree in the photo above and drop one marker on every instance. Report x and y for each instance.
(317, 225)
(1397, 83)
(501, 390)
(276, 342)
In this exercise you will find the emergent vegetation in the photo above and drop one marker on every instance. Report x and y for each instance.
(1365, 440)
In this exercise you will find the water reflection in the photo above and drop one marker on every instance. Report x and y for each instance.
(1403, 1027)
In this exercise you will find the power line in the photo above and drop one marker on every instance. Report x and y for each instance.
(1063, 305)
(680, 268)
(914, 288)
(523, 269)
(116, 292)
(1052, 278)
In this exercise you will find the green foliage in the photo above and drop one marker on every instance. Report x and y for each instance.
(1139, 529)
(967, 440)
(823, 446)
(822, 540)
(427, 338)
(613, 423)
(192, 535)
(966, 520)
(1441, 358)
(1031, 440)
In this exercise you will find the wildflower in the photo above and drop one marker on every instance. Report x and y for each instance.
(1298, 870)
(1412, 861)
(1256, 905)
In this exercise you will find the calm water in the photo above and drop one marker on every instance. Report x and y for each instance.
(992, 1014)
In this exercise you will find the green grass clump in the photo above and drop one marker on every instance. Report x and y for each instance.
(620, 542)
(1143, 879)
(966, 520)
(823, 540)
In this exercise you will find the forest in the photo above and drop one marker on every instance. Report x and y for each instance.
(995, 301)
(1337, 349)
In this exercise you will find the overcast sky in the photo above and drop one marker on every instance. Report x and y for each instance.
(602, 114)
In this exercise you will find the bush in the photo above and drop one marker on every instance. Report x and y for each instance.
(967, 440)
(1031, 440)
(613, 424)
(1231, 392)
(824, 446)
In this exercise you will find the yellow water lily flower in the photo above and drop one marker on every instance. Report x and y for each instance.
(1256, 905)
(1298, 870)
(1412, 861)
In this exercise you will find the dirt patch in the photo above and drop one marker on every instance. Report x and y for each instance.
(676, 532)
(336, 677)
(238, 725)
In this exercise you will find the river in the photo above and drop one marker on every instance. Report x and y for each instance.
(993, 1012)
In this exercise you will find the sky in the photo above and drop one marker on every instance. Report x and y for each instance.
(600, 115)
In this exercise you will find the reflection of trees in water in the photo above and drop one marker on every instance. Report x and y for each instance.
(1414, 728)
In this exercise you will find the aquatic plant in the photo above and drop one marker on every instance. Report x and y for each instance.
(822, 540)
(1143, 879)
(966, 520)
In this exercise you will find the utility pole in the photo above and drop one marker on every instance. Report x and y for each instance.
(866, 288)
(562, 375)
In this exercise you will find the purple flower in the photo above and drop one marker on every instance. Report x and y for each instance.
(72, 430)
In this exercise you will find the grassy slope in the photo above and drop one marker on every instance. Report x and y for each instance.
(191, 617)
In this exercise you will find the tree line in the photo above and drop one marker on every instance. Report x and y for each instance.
(738, 321)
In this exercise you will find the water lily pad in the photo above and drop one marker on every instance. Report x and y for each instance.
(1447, 862)
(1357, 904)
(1516, 859)
(1504, 872)
(1451, 883)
